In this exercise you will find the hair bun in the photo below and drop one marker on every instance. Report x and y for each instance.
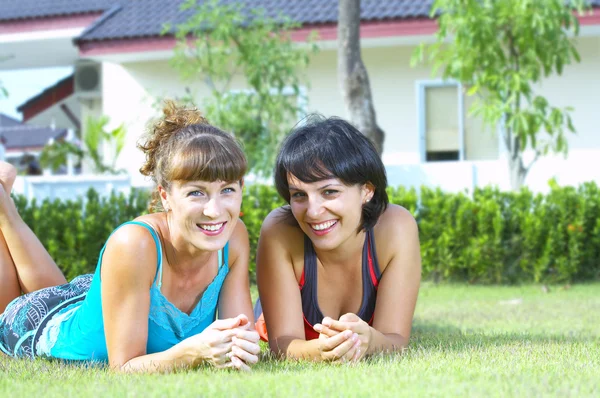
(175, 117)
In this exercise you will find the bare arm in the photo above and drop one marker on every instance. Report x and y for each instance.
(128, 269)
(399, 285)
(234, 298)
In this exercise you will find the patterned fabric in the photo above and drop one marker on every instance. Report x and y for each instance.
(26, 315)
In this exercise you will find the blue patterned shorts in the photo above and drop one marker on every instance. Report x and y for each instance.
(25, 317)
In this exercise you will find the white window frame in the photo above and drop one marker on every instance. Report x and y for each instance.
(421, 87)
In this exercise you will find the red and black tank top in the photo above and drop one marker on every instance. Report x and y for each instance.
(308, 285)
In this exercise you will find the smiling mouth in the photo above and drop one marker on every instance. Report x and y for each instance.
(211, 228)
(323, 226)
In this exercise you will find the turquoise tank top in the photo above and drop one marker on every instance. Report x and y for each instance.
(77, 331)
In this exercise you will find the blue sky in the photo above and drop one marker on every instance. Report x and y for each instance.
(24, 84)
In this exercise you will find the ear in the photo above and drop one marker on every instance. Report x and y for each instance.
(164, 197)
(368, 190)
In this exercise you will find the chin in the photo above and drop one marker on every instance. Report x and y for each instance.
(325, 244)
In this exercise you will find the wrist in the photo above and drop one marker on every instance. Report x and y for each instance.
(186, 354)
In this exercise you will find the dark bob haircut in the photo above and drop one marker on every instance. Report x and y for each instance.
(323, 148)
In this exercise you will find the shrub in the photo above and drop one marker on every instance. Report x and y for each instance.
(487, 237)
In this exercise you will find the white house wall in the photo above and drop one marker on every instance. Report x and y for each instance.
(130, 91)
(54, 116)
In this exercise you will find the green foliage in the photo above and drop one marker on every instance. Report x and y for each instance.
(509, 237)
(258, 202)
(489, 237)
(223, 42)
(74, 232)
(499, 50)
(54, 155)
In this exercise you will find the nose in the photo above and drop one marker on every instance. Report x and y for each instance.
(212, 208)
(314, 207)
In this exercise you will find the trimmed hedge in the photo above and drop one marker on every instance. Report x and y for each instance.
(488, 237)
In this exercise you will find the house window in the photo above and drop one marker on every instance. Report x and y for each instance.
(447, 132)
(441, 121)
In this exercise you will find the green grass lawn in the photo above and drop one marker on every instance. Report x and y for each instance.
(467, 340)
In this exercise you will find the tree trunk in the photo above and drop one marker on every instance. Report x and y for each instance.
(353, 77)
(517, 172)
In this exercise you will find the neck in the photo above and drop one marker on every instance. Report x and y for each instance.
(346, 254)
(181, 256)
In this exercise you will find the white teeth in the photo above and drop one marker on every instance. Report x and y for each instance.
(325, 225)
(211, 227)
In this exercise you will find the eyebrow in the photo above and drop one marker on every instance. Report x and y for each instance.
(323, 187)
(193, 184)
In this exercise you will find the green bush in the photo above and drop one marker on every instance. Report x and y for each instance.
(487, 237)
(74, 232)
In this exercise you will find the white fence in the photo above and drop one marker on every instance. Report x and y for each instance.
(581, 166)
(70, 187)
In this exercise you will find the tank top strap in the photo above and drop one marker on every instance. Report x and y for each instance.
(224, 256)
(159, 252)
(370, 258)
(310, 264)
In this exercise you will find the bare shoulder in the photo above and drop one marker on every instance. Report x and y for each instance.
(280, 226)
(281, 241)
(131, 237)
(395, 232)
(397, 220)
(239, 244)
(131, 250)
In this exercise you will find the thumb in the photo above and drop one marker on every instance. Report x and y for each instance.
(243, 320)
(229, 323)
(349, 317)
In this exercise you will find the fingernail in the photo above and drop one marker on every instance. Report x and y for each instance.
(355, 336)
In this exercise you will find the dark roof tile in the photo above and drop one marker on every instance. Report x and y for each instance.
(27, 9)
(143, 18)
(20, 135)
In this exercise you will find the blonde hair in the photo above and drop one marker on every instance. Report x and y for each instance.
(183, 146)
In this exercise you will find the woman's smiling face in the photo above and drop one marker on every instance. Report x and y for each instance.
(204, 213)
(328, 211)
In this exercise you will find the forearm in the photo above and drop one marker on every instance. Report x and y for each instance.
(386, 342)
(293, 347)
(175, 357)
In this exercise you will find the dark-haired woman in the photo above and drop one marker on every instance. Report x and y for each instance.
(338, 268)
(151, 304)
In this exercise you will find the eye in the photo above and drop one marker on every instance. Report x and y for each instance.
(298, 195)
(228, 190)
(195, 193)
(329, 192)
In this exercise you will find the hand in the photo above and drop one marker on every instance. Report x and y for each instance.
(215, 344)
(353, 323)
(337, 347)
(245, 347)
